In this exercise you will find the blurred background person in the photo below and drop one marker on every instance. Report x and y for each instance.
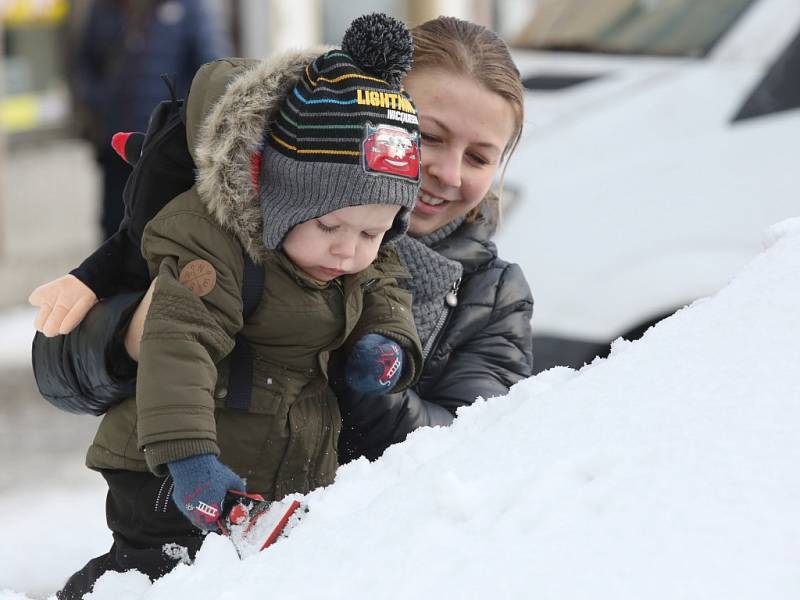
(122, 50)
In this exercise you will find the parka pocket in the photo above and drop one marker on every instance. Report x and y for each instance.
(267, 389)
(311, 456)
(249, 439)
(286, 440)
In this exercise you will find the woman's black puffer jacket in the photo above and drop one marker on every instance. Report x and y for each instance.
(483, 348)
(88, 370)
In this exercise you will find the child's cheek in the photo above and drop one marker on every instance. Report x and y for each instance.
(367, 257)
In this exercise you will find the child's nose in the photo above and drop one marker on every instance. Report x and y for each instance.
(344, 247)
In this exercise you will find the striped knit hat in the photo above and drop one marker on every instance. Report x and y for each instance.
(347, 134)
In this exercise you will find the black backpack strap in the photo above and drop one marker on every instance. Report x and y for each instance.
(240, 383)
(252, 286)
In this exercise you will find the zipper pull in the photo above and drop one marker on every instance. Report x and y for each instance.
(451, 298)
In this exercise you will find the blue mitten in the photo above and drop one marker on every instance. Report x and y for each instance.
(374, 365)
(201, 482)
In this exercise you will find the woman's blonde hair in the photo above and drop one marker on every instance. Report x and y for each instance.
(470, 49)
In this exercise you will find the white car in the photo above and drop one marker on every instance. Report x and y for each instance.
(661, 141)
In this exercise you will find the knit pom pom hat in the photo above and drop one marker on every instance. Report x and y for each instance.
(347, 134)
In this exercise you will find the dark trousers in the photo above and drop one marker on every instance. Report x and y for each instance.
(115, 174)
(150, 533)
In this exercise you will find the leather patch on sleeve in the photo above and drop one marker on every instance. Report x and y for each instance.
(199, 276)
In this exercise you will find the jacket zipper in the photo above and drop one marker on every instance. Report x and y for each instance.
(451, 301)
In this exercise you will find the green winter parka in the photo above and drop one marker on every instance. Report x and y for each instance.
(286, 440)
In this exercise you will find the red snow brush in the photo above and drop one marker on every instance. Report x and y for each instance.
(254, 524)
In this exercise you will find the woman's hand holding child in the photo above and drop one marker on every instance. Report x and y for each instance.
(62, 304)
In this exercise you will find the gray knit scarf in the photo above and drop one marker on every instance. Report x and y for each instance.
(432, 276)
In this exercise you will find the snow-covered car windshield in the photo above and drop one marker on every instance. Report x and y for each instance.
(660, 27)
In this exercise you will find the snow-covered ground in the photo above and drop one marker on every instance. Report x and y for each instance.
(667, 471)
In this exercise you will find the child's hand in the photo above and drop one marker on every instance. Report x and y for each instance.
(374, 365)
(62, 305)
(201, 482)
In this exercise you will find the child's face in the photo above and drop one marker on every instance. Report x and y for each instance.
(341, 242)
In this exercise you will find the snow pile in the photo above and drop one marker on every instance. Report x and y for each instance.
(667, 471)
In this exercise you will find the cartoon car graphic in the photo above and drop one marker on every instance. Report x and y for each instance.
(392, 150)
(389, 364)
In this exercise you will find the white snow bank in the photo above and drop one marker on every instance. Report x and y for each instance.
(667, 471)
(49, 532)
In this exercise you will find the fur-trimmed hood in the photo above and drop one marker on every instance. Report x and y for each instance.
(230, 104)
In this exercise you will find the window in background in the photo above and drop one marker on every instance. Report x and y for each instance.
(656, 27)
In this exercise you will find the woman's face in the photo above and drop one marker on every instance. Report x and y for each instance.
(465, 129)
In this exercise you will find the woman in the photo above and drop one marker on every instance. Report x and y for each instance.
(472, 309)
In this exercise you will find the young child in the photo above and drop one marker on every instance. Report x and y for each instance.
(311, 167)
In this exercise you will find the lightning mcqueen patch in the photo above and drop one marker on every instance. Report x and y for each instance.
(391, 150)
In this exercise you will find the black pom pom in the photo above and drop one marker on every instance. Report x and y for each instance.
(380, 45)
